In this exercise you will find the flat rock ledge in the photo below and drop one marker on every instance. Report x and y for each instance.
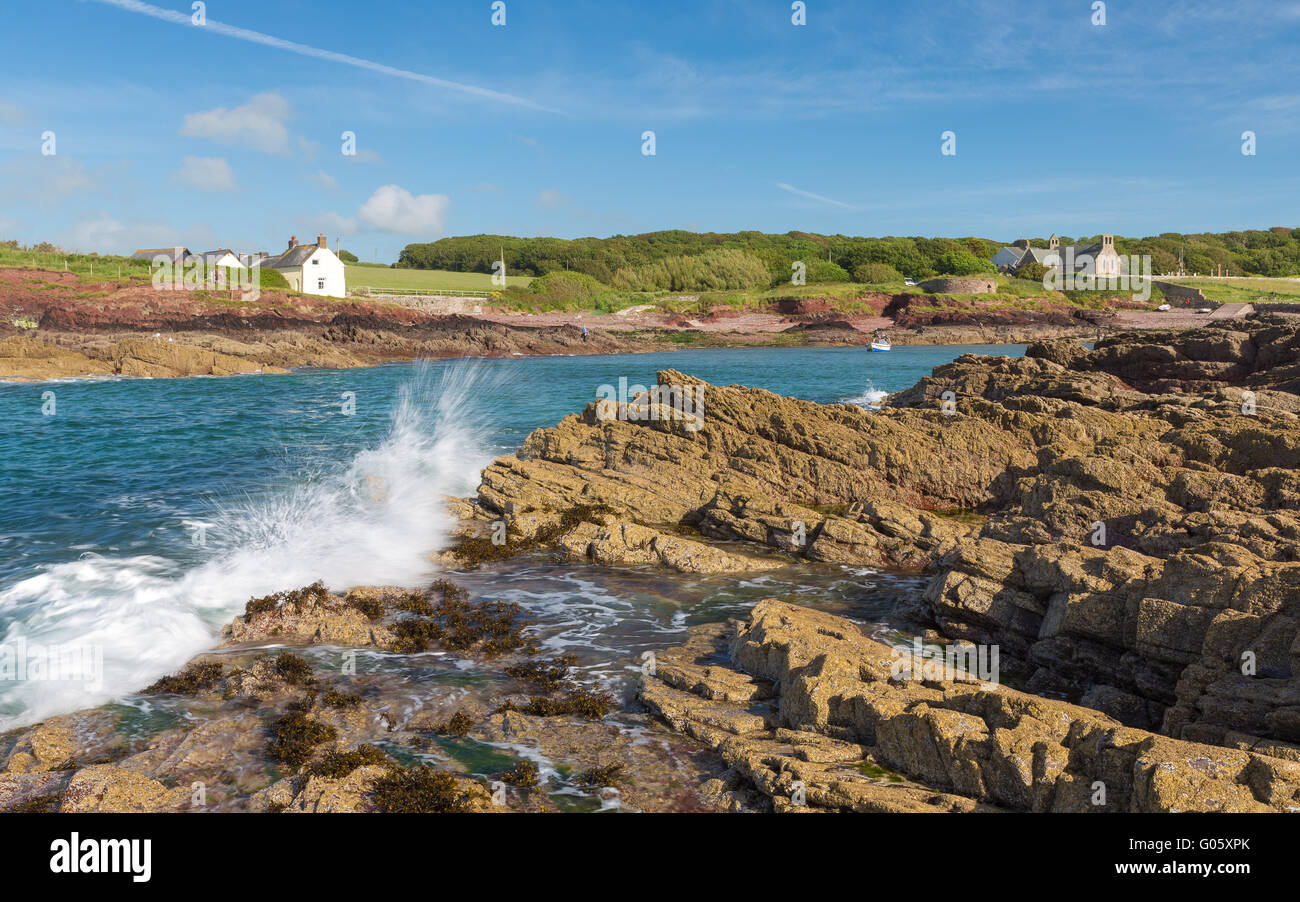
(803, 705)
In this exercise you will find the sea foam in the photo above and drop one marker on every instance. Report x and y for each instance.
(374, 520)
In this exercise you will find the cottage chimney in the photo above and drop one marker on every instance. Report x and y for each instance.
(293, 242)
(321, 242)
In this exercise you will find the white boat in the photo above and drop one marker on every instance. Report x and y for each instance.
(881, 344)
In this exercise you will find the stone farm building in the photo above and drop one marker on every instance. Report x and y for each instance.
(163, 254)
(310, 268)
(1097, 259)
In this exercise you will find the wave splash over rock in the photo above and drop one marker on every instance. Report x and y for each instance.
(133, 619)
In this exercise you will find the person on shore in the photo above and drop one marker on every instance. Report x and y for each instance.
(584, 333)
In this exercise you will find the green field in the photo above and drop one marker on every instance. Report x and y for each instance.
(87, 267)
(373, 275)
(1244, 291)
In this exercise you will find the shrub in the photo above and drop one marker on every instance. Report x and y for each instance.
(1033, 271)
(271, 278)
(565, 286)
(826, 271)
(711, 271)
(348, 257)
(963, 263)
(876, 273)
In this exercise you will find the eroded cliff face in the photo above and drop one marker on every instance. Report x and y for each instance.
(1124, 523)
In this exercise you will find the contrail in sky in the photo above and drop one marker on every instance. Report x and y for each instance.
(817, 197)
(256, 37)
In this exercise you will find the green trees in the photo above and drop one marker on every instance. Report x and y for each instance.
(825, 271)
(962, 263)
(711, 271)
(565, 286)
(1033, 271)
(876, 274)
(1267, 252)
(347, 256)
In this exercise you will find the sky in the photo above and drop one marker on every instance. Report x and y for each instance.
(127, 125)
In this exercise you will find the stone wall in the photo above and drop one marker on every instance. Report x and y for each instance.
(1178, 294)
(961, 286)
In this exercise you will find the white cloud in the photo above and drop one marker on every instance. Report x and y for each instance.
(12, 113)
(551, 198)
(394, 209)
(106, 235)
(51, 179)
(309, 149)
(364, 156)
(206, 174)
(323, 180)
(259, 124)
(335, 224)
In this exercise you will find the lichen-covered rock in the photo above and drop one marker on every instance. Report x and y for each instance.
(617, 542)
(109, 788)
(824, 708)
(45, 747)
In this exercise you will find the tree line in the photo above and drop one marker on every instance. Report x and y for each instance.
(662, 260)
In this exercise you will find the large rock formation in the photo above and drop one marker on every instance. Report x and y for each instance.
(815, 713)
(1122, 522)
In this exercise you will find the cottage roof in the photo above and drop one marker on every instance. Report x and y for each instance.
(150, 253)
(293, 258)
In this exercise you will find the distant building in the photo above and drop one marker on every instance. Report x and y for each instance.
(310, 268)
(170, 254)
(1097, 259)
(223, 258)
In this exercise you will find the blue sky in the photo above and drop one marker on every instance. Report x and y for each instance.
(208, 136)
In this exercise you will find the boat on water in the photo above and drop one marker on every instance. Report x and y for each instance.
(881, 344)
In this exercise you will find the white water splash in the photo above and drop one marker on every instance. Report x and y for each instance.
(375, 521)
(871, 398)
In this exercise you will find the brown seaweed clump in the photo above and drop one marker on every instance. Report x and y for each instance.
(315, 592)
(547, 675)
(419, 790)
(473, 551)
(451, 620)
(605, 775)
(579, 701)
(459, 724)
(295, 735)
(294, 669)
(338, 764)
(523, 775)
(337, 698)
(197, 676)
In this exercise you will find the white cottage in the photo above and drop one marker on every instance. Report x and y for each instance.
(223, 258)
(310, 268)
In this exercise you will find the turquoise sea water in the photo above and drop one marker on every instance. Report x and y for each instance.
(137, 516)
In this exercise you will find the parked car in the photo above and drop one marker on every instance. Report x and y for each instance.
(909, 282)
(1164, 307)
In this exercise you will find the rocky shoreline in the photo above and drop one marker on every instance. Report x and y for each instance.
(1122, 525)
(53, 326)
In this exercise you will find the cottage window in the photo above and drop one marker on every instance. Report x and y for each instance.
(320, 283)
